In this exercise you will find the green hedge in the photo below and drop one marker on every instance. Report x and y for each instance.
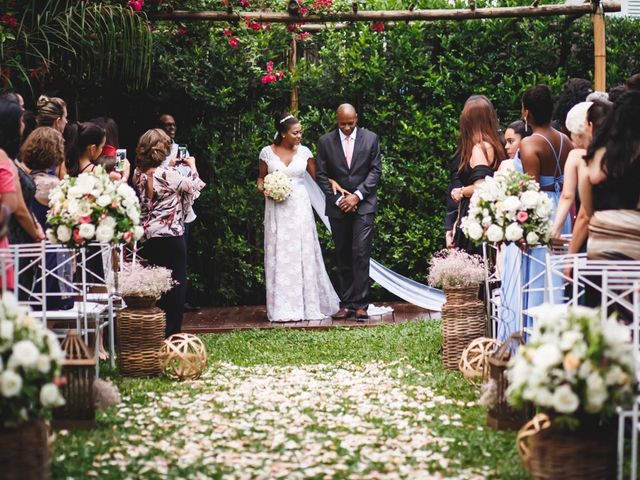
(408, 83)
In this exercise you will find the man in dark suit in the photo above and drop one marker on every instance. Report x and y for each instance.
(350, 156)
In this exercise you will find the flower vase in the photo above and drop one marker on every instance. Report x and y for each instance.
(24, 451)
(463, 320)
(138, 303)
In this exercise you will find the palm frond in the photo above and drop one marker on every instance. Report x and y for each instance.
(86, 39)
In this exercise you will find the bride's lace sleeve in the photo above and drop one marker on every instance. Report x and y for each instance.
(264, 155)
(305, 152)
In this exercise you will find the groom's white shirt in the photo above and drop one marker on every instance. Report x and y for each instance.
(343, 141)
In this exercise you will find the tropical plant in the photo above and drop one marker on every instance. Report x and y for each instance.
(81, 39)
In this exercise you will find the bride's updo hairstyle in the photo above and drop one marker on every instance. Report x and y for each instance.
(153, 148)
(284, 122)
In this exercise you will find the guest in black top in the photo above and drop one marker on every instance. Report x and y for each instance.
(481, 152)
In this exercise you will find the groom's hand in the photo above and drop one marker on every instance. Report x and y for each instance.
(349, 203)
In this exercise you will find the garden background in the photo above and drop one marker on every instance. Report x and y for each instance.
(407, 80)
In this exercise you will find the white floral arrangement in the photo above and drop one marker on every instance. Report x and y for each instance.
(93, 206)
(277, 186)
(30, 364)
(452, 267)
(136, 280)
(574, 366)
(509, 207)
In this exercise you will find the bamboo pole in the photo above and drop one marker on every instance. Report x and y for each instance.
(293, 58)
(599, 52)
(390, 15)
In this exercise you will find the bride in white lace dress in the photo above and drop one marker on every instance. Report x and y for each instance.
(298, 287)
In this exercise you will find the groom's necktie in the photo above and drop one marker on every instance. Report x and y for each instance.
(349, 149)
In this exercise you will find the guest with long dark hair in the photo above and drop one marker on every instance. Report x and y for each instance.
(23, 228)
(83, 146)
(481, 151)
(165, 195)
(609, 186)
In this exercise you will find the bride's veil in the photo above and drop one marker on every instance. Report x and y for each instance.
(403, 287)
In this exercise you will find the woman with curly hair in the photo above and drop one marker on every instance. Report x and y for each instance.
(165, 197)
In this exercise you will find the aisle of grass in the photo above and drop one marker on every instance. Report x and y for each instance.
(343, 403)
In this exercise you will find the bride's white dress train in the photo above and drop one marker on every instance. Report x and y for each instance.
(298, 287)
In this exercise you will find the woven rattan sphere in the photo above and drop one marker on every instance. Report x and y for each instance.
(473, 361)
(183, 356)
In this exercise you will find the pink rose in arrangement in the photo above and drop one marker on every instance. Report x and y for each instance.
(76, 236)
(522, 216)
(234, 42)
(127, 236)
(86, 219)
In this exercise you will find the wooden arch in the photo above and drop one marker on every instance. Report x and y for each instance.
(596, 9)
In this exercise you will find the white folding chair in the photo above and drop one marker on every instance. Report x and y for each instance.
(631, 418)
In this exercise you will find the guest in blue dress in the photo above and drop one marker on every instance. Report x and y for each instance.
(511, 281)
(543, 156)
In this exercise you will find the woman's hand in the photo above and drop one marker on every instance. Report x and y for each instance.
(335, 186)
(456, 194)
(190, 162)
(39, 232)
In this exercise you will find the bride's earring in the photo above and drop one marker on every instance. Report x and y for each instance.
(526, 125)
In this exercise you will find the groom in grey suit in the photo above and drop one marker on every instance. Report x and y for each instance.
(350, 156)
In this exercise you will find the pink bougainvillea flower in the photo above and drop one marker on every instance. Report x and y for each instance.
(234, 42)
(322, 4)
(377, 26)
(136, 5)
(304, 10)
(301, 37)
(269, 66)
(522, 216)
(182, 31)
(266, 26)
(280, 75)
(244, 3)
(9, 20)
(227, 32)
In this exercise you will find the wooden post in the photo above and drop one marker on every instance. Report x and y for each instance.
(599, 51)
(293, 58)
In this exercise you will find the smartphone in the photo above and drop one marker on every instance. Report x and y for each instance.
(182, 152)
(121, 155)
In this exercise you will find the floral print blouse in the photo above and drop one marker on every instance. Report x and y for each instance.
(164, 214)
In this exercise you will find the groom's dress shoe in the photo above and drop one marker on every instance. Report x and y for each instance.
(342, 314)
(361, 315)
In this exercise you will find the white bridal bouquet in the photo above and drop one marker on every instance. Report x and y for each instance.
(277, 186)
(574, 366)
(30, 363)
(509, 207)
(93, 206)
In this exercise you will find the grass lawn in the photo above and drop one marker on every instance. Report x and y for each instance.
(344, 403)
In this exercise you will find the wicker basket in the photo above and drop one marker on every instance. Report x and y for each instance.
(503, 416)
(463, 320)
(588, 453)
(79, 368)
(140, 337)
(24, 451)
